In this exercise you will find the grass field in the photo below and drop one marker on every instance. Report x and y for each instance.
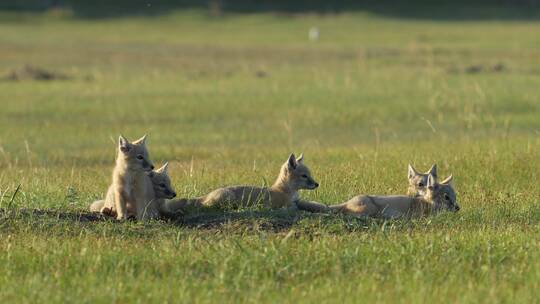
(226, 100)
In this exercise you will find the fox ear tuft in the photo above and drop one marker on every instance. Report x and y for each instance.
(300, 158)
(163, 168)
(123, 144)
(448, 180)
(140, 141)
(433, 170)
(291, 163)
(412, 172)
(431, 181)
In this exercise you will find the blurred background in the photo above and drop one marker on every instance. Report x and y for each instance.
(238, 85)
(449, 10)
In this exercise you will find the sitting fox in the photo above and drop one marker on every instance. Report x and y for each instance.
(294, 176)
(436, 198)
(418, 181)
(128, 190)
(161, 189)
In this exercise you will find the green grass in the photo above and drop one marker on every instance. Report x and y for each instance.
(226, 100)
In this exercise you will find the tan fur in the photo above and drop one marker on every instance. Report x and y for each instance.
(311, 206)
(294, 176)
(384, 206)
(438, 197)
(418, 181)
(130, 187)
(154, 208)
(162, 189)
(417, 185)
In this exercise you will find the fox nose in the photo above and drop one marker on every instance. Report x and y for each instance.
(174, 194)
(316, 185)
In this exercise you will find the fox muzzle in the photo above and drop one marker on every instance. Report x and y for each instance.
(170, 194)
(313, 184)
(147, 166)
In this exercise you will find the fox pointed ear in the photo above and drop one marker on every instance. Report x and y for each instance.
(300, 158)
(433, 170)
(163, 169)
(140, 141)
(448, 180)
(431, 181)
(412, 172)
(123, 144)
(291, 163)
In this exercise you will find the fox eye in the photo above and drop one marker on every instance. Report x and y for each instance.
(162, 185)
(140, 156)
(446, 197)
(420, 184)
(304, 175)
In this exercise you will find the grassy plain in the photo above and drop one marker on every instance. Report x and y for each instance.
(226, 99)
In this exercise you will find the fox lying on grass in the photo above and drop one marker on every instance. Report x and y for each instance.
(294, 176)
(155, 207)
(417, 186)
(437, 197)
(418, 181)
(129, 190)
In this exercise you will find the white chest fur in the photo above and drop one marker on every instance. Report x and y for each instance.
(128, 186)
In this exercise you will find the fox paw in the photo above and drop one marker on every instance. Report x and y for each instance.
(121, 217)
(108, 212)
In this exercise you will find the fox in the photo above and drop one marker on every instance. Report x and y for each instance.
(294, 176)
(437, 197)
(418, 181)
(162, 186)
(162, 189)
(417, 186)
(129, 191)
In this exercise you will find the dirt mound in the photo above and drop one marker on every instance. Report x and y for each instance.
(29, 72)
(479, 68)
(52, 213)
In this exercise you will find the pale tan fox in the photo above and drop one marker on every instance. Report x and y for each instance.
(418, 181)
(436, 198)
(294, 176)
(161, 188)
(129, 178)
(417, 186)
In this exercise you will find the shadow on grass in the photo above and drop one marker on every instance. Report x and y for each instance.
(266, 220)
(445, 10)
(53, 214)
(275, 220)
(245, 220)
